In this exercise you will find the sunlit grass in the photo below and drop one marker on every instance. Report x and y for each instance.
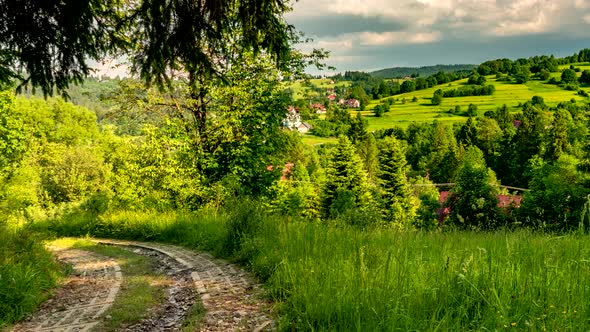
(339, 278)
(28, 272)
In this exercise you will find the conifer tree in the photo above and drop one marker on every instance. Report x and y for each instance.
(474, 201)
(395, 193)
(467, 133)
(369, 153)
(558, 136)
(346, 185)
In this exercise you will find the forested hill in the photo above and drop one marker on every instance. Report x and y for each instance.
(401, 72)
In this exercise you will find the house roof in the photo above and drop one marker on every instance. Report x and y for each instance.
(504, 201)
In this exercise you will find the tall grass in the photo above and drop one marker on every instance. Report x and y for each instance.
(27, 272)
(327, 277)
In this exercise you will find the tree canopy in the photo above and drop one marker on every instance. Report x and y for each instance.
(49, 44)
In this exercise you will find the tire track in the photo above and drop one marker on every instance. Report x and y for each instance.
(86, 295)
(230, 296)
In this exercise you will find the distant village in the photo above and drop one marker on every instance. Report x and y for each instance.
(292, 120)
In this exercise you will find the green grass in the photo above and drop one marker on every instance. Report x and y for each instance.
(27, 273)
(507, 93)
(316, 140)
(333, 278)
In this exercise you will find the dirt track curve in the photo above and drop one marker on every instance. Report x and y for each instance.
(231, 297)
(86, 296)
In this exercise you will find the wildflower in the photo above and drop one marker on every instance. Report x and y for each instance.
(513, 324)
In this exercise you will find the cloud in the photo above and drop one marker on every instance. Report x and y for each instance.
(420, 32)
(392, 38)
(334, 25)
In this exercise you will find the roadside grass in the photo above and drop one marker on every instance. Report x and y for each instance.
(28, 272)
(195, 318)
(329, 277)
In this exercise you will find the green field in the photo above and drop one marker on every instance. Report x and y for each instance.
(507, 93)
(315, 140)
(402, 114)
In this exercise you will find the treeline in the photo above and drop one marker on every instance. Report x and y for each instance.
(414, 72)
(473, 90)
(534, 64)
(522, 70)
(384, 177)
(374, 88)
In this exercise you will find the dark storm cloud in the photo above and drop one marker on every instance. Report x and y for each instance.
(334, 25)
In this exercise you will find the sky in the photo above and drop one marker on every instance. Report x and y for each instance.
(375, 34)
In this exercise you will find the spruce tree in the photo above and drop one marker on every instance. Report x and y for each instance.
(558, 135)
(474, 200)
(346, 185)
(467, 133)
(398, 207)
(368, 151)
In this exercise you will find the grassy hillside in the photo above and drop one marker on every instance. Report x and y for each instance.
(507, 93)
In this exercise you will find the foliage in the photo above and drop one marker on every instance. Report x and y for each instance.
(437, 97)
(158, 35)
(568, 76)
(56, 44)
(12, 133)
(558, 195)
(346, 184)
(473, 202)
(483, 90)
(398, 207)
(426, 71)
(298, 196)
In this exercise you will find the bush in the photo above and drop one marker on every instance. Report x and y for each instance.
(473, 202)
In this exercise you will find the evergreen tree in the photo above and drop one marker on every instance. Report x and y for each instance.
(368, 151)
(473, 200)
(444, 155)
(558, 136)
(467, 133)
(398, 207)
(358, 129)
(346, 185)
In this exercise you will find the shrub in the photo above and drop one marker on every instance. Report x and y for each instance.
(473, 202)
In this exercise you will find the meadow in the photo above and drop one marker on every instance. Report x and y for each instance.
(507, 93)
(402, 113)
(329, 277)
